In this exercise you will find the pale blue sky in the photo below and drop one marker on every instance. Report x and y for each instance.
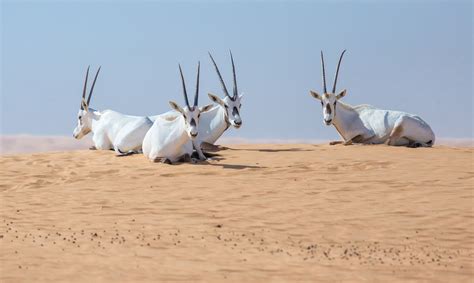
(414, 56)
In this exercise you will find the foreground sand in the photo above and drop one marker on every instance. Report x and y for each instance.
(256, 213)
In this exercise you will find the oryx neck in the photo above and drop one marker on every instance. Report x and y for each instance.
(213, 124)
(95, 118)
(180, 135)
(344, 116)
(222, 121)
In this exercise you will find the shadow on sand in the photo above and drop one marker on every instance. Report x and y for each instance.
(293, 149)
(237, 166)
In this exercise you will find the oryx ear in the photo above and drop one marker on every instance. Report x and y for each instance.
(315, 95)
(216, 99)
(341, 94)
(176, 107)
(206, 108)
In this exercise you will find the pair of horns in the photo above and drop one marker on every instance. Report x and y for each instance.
(196, 96)
(84, 102)
(337, 72)
(222, 80)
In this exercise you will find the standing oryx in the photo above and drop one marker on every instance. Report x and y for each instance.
(369, 125)
(217, 120)
(110, 129)
(171, 137)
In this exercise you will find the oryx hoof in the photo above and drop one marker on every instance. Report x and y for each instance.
(123, 153)
(166, 161)
(93, 148)
(335, 142)
(415, 145)
(186, 158)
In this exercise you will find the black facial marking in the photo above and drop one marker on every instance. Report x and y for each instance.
(193, 122)
(328, 109)
(235, 111)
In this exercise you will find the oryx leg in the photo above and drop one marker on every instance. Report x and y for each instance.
(197, 147)
(395, 137)
(406, 132)
(336, 142)
(349, 142)
(101, 142)
(162, 160)
(186, 158)
(355, 139)
(129, 140)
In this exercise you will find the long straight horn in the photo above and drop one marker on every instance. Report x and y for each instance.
(184, 88)
(324, 72)
(84, 89)
(337, 72)
(235, 79)
(220, 77)
(196, 96)
(92, 88)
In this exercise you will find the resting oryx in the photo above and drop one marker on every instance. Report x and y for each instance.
(110, 129)
(171, 137)
(369, 125)
(217, 120)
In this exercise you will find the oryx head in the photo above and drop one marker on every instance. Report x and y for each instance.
(191, 114)
(84, 116)
(329, 99)
(231, 104)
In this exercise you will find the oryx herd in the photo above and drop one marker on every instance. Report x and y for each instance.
(180, 134)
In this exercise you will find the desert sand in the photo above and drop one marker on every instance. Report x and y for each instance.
(280, 213)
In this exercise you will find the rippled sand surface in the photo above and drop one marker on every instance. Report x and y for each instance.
(279, 213)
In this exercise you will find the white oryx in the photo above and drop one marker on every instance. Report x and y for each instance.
(369, 125)
(217, 120)
(110, 129)
(171, 138)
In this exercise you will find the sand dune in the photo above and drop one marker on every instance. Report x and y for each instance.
(263, 213)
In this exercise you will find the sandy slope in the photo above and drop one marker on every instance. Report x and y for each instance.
(258, 213)
(14, 144)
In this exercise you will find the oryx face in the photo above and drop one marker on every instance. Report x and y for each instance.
(83, 124)
(231, 104)
(191, 117)
(191, 114)
(329, 103)
(329, 99)
(84, 116)
(231, 108)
